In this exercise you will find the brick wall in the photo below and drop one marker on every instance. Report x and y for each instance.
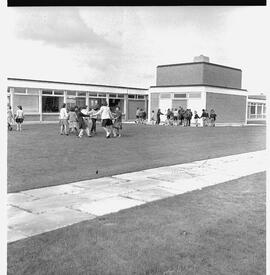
(180, 75)
(50, 117)
(32, 117)
(229, 108)
(199, 74)
(222, 76)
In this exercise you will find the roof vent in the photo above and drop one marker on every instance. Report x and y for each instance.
(201, 58)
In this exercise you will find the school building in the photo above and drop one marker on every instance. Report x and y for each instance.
(196, 85)
(41, 100)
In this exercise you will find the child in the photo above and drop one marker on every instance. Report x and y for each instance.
(175, 117)
(153, 117)
(106, 117)
(213, 118)
(159, 113)
(63, 120)
(137, 115)
(117, 125)
(204, 117)
(73, 121)
(93, 117)
(19, 117)
(82, 124)
(196, 117)
(9, 118)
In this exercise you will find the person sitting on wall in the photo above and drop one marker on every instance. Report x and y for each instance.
(213, 118)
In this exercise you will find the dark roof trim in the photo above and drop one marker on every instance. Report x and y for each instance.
(195, 63)
(73, 83)
(168, 86)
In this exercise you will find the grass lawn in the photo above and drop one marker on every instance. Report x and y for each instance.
(218, 230)
(40, 157)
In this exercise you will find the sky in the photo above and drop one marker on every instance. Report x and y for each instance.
(123, 45)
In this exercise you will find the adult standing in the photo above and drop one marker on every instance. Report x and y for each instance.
(106, 118)
(63, 120)
(158, 116)
(204, 117)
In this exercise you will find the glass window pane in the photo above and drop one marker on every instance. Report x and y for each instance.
(81, 93)
(112, 95)
(140, 96)
(165, 95)
(259, 109)
(252, 109)
(47, 92)
(120, 95)
(194, 95)
(131, 96)
(52, 104)
(180, 95)
(92, 94)
(80, 101)
(20, 90)
(71, 92)
(101, 95)
(32, 91)
(59, 92)
(29, 103)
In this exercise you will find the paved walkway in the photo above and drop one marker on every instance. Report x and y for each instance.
(41, 210)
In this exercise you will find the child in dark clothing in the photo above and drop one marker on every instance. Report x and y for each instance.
(117, 125)
(204, 117)
(213, 118)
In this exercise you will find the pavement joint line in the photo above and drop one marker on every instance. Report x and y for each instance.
(129, 190)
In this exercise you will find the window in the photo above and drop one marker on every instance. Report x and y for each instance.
(81, 93)
(140, 96)
(20, 90)
(131, 96)
(120, 96)
(71, 93)
(180, 95)
(101, 95)
(165, 95)
(32, 91)
(194, 95)
(59, 92)
(47, 92)
(112, 95)
(92, 94)
(29, 103)
(80, 101)
(52, 104)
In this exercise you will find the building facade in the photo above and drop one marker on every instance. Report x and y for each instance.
(42, 100)
(256, 113)
(200, 85)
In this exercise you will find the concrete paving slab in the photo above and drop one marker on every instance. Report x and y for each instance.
(14, 235)
(53, 191)
(50, 221)
(17, 198)
(148, 195)
(106, 206)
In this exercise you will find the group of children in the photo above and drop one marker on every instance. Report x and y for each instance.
(183, 117)
(79, 120)
(18, 117)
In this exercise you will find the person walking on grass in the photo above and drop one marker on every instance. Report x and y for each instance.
(213, 118)
(9, 118)
(93, 117)
(106, 118)
(73, 121)
(204, 117)
(19, 117)
(196, 117)
(153, 117)
(117, 125)
(83, 126)
(158, 116)
(63, 116)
